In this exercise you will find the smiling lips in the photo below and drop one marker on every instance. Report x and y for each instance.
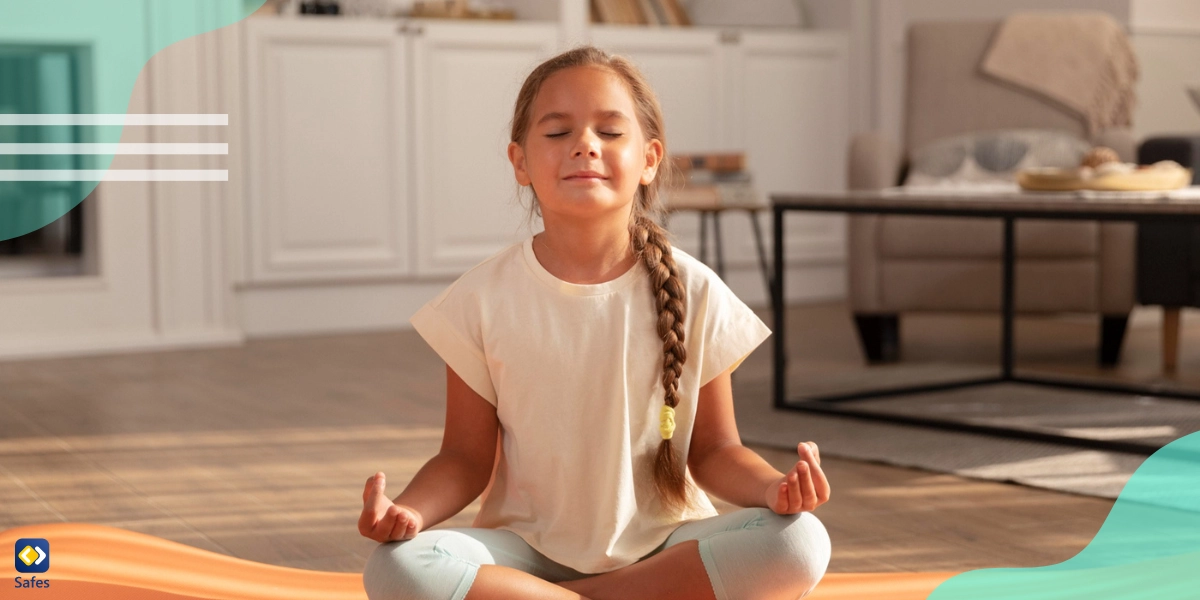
(585, 175)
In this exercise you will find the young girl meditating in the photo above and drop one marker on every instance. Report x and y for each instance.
(600, 356)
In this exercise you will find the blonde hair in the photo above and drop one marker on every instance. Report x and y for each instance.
(651, 243)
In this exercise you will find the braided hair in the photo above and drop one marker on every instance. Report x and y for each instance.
(651, 242)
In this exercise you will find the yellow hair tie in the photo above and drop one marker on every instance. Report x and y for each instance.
(666, 422)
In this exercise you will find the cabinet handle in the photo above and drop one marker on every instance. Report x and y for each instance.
(420, 30)
(402, 28)
(731, 37)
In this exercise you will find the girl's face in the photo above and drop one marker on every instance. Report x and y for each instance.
(584, 153)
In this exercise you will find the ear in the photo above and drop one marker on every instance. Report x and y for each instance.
(516, 155)
(654, 156)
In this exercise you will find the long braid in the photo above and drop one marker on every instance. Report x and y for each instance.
(650, 242)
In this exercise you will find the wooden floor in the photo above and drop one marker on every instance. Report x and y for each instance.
(261, 451)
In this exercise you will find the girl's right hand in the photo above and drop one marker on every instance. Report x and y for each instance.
(383, 520)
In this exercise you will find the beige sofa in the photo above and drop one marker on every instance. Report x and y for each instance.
(912, 264)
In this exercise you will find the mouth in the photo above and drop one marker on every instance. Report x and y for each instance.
(585, 176)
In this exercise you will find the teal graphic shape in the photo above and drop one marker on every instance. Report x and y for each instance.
(80, 57)
(1147, 548)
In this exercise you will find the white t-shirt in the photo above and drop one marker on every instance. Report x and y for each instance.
(574, 372)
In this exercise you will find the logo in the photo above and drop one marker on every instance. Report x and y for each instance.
(32, 555)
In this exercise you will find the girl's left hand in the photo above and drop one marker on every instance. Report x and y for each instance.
(801, 489)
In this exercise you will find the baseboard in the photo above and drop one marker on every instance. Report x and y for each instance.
(282, 311)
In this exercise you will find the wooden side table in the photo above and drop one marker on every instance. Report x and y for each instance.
(708, 210)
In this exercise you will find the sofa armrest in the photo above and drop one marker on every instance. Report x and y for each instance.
(874, 162)
(1120, 139)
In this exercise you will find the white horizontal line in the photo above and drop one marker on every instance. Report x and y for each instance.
(115, 119)
(114, 175)
(122, 148)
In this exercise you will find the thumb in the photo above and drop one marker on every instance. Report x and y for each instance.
(375, 486)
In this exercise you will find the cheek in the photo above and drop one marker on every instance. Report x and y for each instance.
(545, 164)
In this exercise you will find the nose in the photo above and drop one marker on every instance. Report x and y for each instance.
(588, 143)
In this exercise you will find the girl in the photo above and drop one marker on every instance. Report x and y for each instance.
(600, 358)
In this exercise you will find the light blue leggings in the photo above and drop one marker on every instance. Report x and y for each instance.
(749, 554)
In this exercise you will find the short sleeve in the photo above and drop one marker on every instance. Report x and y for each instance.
(731, 331)
(451, 325)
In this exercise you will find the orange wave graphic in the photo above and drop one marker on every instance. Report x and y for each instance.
(103, 563)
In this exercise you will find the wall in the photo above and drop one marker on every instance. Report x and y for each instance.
(1166, 35)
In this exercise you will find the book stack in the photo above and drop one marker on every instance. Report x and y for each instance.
(457, 9)
(640, 12)
(712, 181)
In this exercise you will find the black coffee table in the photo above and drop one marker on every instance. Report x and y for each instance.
(1008, 206)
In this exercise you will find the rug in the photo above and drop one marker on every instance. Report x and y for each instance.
(1032, 463)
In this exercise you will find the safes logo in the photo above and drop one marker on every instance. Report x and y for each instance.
(32, 555)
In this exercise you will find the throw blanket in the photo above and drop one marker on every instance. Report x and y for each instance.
(1080, 59)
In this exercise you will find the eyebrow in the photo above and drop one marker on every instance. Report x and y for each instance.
(607, 114)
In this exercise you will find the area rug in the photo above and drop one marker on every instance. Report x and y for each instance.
(1033, 463)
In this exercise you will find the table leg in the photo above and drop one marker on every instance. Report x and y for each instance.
(716, 217)
(1007, 308)
(779, 372)
(762, 253)
(1170, 339)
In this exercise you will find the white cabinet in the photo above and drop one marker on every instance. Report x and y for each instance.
(781, 97)
(378, 148)
(465, 83)
(328, 155)
(687, 71)
(791, 114)
(376, 167)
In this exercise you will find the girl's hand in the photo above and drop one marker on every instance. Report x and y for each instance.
(383, 520)
(803, 488)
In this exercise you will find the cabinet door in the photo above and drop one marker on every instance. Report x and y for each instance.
(466, 78)
(326, 135)
(687, 70)
(792, 117)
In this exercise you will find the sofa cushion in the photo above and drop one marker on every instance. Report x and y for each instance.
(992, 156)
(949, 238)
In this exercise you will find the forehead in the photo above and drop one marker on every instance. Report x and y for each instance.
(583, 90)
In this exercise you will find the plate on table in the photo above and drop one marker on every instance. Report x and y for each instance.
(1052, 179)
(1142, 179)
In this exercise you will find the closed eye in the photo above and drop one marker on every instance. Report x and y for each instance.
(604, 133)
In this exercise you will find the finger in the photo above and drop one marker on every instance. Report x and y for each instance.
(807, 452)
(780, 505)
(383, 529)
(816, 452)
(375, 485)
(807, 491)
(411, 532)
(366, 521)
(821, 484)
(400, 528)
(795, 499)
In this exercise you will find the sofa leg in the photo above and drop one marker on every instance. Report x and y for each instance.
(880, 337)
(1112, 334)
